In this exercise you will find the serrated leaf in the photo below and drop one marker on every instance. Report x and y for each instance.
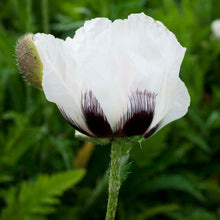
(39, 197)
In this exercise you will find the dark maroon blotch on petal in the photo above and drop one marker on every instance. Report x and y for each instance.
(139, 114)
(151, 131)
(71, 121)
(94, 116)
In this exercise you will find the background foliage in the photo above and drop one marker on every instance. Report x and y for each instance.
(174, 175)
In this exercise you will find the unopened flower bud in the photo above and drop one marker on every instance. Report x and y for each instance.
(29, 61)
(216, 28)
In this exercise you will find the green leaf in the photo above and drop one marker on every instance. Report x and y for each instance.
(40, 197)
(125, 166)
(175, 182)
(201, 214)
(156, 210)
(198, 141)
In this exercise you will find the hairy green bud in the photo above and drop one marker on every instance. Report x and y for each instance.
(29, 61)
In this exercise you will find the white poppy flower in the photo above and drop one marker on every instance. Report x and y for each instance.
(216, 28)
(116, 78)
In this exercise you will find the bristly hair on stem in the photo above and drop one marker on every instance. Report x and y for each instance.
(114, 180)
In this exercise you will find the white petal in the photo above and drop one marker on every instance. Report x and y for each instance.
(55, 77)
(179, 107)
(158, 63)
(167, 92)
(99, 67)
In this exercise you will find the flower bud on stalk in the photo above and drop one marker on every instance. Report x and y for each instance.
(29, 61)
(215, 26)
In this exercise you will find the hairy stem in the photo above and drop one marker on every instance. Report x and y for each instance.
(114, 180)
(29, 16)
(45, 15)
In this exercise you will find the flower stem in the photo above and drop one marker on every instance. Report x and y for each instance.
(114, 180)
(45, 15)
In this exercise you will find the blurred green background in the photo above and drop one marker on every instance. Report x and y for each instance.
(174, 175)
